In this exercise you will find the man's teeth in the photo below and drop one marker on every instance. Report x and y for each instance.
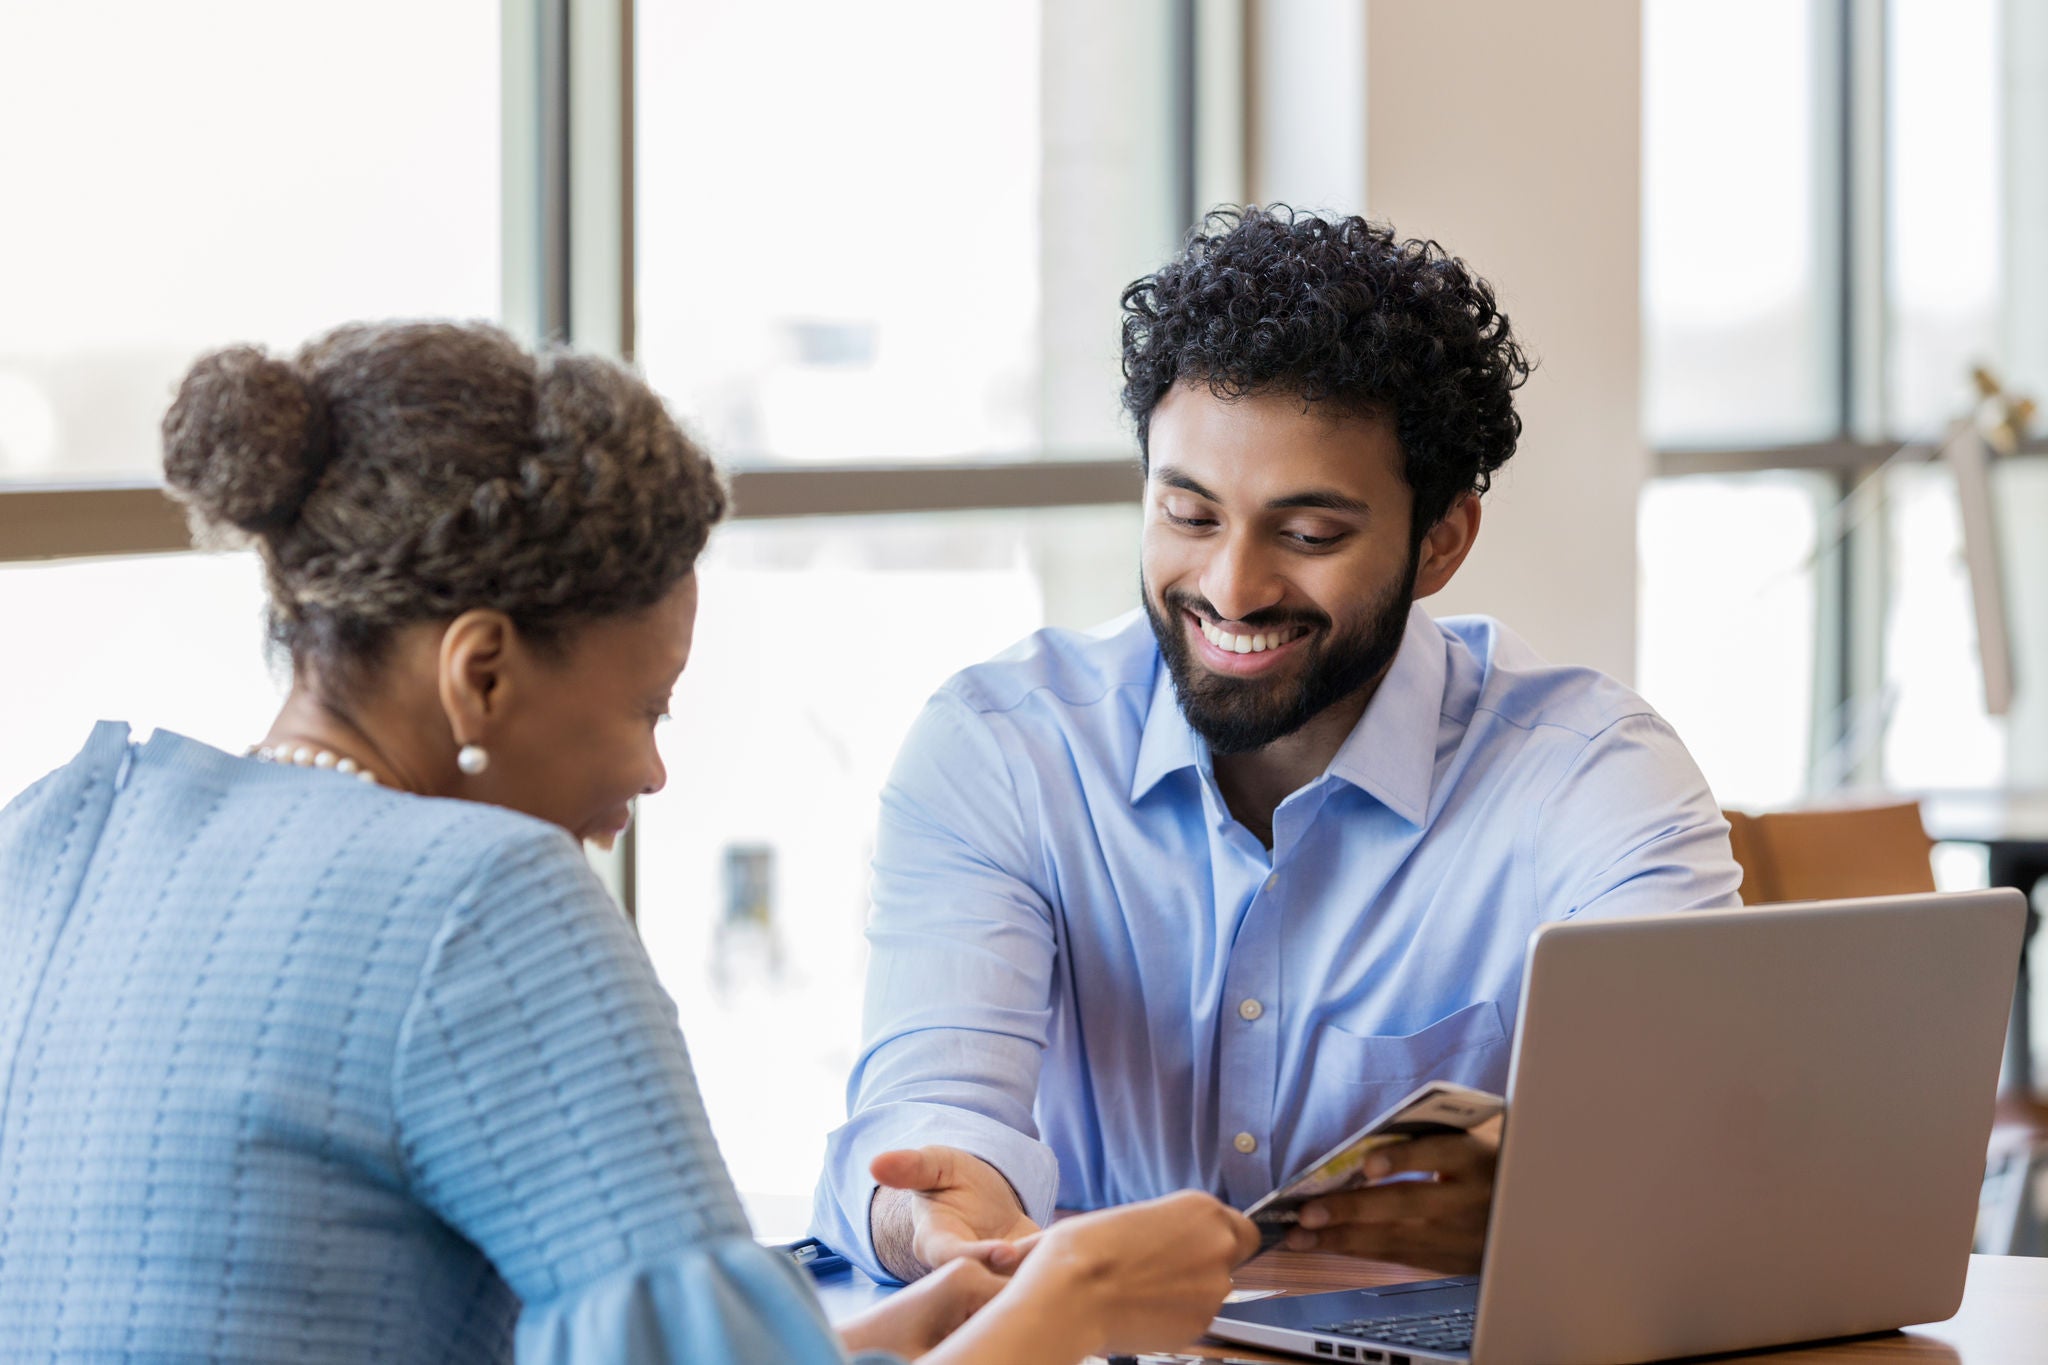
(1251, 644)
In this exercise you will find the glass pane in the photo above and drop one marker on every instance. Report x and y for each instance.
(1727, 619)
(1942, 185)
(1942, 203)
(180, 176)
(2023, 74)
(1937, 734)
(1739, 267)
(817, 645)
(161, 640)
(903, 237)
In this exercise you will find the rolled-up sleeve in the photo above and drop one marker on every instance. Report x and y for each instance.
(1631, 828)
(960, 965)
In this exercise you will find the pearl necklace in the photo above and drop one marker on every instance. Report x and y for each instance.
(305, 756)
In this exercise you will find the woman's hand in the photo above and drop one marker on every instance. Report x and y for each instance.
(1152, 1274)
(1143, 1276)
(920, 1316)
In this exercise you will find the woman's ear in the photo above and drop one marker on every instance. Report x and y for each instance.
(476, 673)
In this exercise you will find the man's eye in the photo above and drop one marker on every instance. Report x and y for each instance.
(1312, 542)
(1196, 521)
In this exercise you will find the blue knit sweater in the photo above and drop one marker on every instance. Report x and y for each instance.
(296, 1068)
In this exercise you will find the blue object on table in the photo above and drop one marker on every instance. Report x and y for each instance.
(814, 1256)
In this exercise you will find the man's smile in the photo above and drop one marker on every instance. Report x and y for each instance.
(1242, 651)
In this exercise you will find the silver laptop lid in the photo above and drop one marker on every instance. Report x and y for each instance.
(1738, 1128)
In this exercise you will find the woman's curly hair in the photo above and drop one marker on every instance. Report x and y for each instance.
(402, 472)
(1267, 299)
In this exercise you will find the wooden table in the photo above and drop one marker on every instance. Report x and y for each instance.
(2004, 1318)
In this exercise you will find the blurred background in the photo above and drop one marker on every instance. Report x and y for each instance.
(872, 254)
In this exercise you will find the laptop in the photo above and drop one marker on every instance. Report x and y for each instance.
(1725, 1130)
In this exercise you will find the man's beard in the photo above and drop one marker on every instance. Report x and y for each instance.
(1237, 715)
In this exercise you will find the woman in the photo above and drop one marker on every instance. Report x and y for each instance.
(337, 1050)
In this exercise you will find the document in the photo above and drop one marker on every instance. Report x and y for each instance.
(1436, 1107)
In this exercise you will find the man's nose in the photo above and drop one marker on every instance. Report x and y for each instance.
(1241, 579)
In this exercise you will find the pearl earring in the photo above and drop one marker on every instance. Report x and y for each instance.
(472, 759)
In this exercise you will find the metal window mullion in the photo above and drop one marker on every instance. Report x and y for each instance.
(1184, 119)
(1850, 579)
(554, 190)
(1864, 224)
(585, 185)
(1864, 577)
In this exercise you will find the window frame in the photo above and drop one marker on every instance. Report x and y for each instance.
(568, 219)
(1852, 573)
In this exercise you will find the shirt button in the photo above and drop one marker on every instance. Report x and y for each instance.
(1249, 1009)
(1272, 881)
(1246, 1143)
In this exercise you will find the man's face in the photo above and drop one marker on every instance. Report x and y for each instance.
(1278, 568)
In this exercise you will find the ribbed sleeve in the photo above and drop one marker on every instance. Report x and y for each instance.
(547, 1111)
(296, 1068)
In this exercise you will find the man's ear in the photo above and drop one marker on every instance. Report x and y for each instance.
(1445, 545)
(476, 676)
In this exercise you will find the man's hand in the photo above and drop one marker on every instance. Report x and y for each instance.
(940, 1204)
(1438, 1223)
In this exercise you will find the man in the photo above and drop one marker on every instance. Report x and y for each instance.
(1184, 901)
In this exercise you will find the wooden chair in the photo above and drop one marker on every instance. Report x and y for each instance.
(1811, 855)
(1827, 854)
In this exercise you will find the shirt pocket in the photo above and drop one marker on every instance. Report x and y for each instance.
(1468, 1046)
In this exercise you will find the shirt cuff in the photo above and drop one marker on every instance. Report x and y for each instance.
(839, 1215)
(729, 1300)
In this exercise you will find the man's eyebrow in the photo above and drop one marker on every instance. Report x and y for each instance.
(1174, 478)
(1328, 499)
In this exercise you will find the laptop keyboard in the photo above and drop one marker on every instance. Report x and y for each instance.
(1449, 1331)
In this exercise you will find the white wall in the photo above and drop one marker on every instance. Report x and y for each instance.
(1509, 131)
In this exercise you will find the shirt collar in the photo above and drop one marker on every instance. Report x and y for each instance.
(1169, 743)
(1390, 754)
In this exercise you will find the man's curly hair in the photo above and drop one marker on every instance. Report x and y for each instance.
(1268, 300)
(402, 472)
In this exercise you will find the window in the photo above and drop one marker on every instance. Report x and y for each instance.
(877, 270)
(1943, 205)
(225, 170)
(163, 640)
(1831, 244)
(1728, 620)
(817, 645)
(1937, 734)
(1740, 268)
(902, 238)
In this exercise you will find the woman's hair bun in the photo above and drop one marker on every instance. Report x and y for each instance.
(245, 441)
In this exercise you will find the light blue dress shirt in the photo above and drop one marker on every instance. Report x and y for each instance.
(295, 1068)
(1085, 971)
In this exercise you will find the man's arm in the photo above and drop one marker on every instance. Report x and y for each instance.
(1631, 828)
(961, 951)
